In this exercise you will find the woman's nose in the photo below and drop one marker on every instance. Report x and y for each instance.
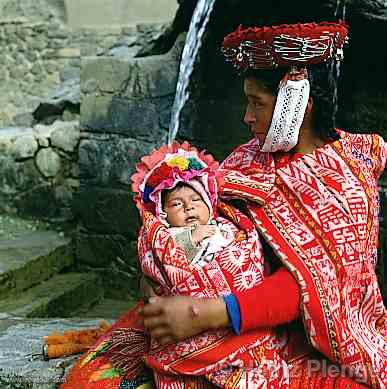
(249, 117)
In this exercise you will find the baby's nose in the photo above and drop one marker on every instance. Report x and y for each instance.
(189, 206)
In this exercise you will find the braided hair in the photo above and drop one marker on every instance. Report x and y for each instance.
(323, 90)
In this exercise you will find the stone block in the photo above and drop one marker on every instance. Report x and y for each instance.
(65, 135)
(31, 257)
(107, 211)
(131, 117)
(40, 201)
(38, 44)
(64, 195)
(43, 134)
(24, 147)
(68, 52)
(17, 177)
(110, 162)
(60, 296)
(48, 162)
(152, 76)
(100, 250)
(110, 74)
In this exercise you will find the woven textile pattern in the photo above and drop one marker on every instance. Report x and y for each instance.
(321, 218)
(218, 355)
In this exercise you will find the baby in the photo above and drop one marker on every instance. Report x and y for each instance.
(192, 223)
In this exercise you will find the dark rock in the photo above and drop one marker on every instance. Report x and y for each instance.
(40, 201)
(66, 97)
(103, 250)
(133, 118)
(107, 211)
(110, 162)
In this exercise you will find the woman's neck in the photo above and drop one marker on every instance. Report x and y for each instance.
(308, 141)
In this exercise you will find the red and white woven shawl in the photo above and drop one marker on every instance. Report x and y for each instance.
(320, 215)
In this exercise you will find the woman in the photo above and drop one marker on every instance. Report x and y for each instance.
(312, 193)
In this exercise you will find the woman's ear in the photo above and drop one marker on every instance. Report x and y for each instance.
(309, 106)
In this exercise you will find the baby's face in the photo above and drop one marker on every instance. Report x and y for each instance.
(185, 207)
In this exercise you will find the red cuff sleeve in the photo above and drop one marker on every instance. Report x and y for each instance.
(276, 301)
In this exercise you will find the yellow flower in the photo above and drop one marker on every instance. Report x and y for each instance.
(181, 162)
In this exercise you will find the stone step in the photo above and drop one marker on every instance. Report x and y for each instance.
(60, 296)
(30, 257)
(19, 338)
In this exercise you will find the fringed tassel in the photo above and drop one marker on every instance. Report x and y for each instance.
(58, 345)
(127, 350)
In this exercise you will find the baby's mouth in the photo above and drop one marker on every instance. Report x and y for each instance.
(191, 220)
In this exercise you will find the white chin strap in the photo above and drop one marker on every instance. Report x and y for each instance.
(288, 116)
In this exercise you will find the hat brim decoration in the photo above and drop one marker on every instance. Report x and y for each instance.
(285, 45)
(169, 165)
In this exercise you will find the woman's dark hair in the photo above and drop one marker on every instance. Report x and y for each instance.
(323, 90)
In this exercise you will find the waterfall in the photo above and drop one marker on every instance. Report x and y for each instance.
(334, 66)
(197, 27)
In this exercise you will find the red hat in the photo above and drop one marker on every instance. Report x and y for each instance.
(285, 45)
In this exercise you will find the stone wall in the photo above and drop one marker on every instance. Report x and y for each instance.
(42, 43)
(118, 12)
(125, 113)
(39, 170)
(38, 57)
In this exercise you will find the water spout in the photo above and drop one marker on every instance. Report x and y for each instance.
(197, 27)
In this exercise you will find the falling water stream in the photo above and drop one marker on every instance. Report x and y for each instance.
(198, 25)
(334, 66)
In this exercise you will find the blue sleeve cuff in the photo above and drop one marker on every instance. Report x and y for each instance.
(234, 313)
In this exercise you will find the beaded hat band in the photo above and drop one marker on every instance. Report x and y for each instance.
(285, 45)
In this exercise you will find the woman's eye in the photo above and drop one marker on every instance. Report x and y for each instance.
(177, 204)
(197, 199)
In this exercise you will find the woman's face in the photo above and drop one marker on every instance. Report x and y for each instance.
(260, 108)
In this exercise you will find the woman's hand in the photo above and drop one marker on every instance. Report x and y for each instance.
(171, 319)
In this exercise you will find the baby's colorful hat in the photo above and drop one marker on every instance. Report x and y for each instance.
(165, 167)
(285, 45)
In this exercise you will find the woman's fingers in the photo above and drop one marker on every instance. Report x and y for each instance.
(161, 332)
(151, 323)
(153, 308)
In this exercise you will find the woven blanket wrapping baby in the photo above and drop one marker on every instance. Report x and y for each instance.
(231, 262)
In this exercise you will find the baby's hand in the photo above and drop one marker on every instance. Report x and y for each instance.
(202, 232)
